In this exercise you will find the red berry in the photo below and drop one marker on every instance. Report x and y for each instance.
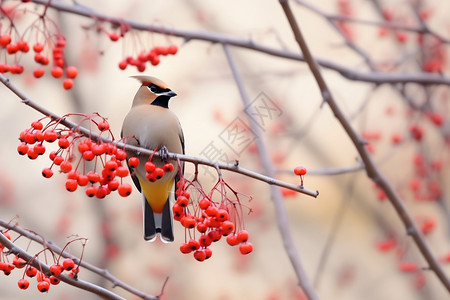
(56, 269)
(47, 173)
(114, 36)
(205, 241)
(39, 72)
(133, 162)
(5, 39)
(71, 185)
(226, 228)
(32, 154)
(111, 165)
(188, 221)
(123, 65)
(54, 280)
(23, 284)
(68, 83)
(88, 155)
(242, 236)
(66, 167)
(113, 185)
(204, 203)
(300, 171)
(63, 143)
(57, 72)
(211, 211)
(155, 60)
(58, 160)
(98, 149)
(194, 244)
(407, 266)
(82, 180)
(182, 201)
(150, 167)
(93, 177)
(122, 171)
(185, 248)
(214, 235)
(38, 47)
(246, 248)
(121, 154)
(103, 126)
(168, 167)
(91, 191)
(18, 262)
(22, 149)
(50, 136)
(39, 149)
(68, 264)
(124, 189)
(37, 125)
(43, 286)
(31, 272)
(173, 49)
(208, 252)
(159, 173)
(222, 215)
(71, 72)
(200, 255)
(202, 227)
(102, 191)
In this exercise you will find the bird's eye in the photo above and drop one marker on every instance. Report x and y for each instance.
(153, 88)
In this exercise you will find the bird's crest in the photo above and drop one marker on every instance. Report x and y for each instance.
(147, 80)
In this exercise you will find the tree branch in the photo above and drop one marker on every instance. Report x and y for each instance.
(371, 169)
(195, 160)
(81, 284)
(188, 35)
(99, 271)
(277, 199)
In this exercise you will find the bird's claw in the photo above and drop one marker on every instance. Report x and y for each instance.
(163, 153)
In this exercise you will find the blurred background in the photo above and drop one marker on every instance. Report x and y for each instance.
(342, 236)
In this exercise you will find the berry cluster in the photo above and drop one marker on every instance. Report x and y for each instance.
(44, 280)
(151, 56)
(100, 181)
(48, 42)
(211, 219)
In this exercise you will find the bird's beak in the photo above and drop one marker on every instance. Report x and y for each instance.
(168, 94)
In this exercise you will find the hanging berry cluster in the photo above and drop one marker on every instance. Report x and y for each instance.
(105, 159)
(44, 38)
(152, 56)
(209, 217)
(44, 279)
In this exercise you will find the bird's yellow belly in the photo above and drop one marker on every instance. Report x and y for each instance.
(156, 193)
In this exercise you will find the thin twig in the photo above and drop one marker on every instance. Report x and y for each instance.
(196, 160)
(277, 199)
(371, 169)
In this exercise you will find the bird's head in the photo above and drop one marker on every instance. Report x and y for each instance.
(152, 91)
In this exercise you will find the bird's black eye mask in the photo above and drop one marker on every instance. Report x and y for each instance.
(156, 89)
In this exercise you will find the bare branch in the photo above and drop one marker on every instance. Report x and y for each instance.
(196, 160)
(277, 198)
(371, 169)
(216, 38)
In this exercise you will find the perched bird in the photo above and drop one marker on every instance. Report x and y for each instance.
(150, 124)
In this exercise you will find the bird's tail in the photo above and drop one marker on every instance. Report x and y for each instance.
(158, 223)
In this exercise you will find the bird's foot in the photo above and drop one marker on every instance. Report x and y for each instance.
(163, 153)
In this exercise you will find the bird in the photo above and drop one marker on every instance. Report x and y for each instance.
(151, 124)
